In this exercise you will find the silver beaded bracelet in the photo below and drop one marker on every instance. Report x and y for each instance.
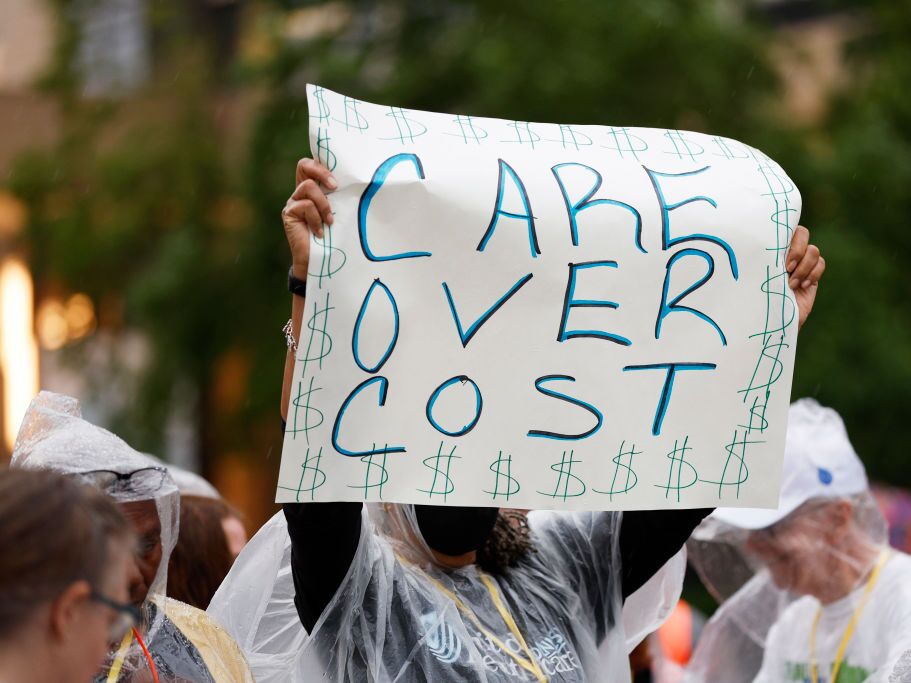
(289, 336)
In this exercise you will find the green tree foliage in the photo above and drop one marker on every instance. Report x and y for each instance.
(133, 207)
(140, 210)
(855, 175)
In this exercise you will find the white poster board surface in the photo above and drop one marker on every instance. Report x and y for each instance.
(539, 315)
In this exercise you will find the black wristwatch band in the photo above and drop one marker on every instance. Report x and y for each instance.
(296, 285)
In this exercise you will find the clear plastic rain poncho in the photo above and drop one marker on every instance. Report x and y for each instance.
(184, 644)
(810, 591)
(189, 483)
(398, 616)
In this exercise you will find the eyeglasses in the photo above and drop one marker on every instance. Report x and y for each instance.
(146, 480)
(128, 616)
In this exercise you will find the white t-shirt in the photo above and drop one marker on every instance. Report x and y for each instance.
(882, 635)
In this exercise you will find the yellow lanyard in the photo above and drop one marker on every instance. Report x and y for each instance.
(117, 665)
(531, 664)
(849, 630)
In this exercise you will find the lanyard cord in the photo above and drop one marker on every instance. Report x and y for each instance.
(116, 667)
(531, 664)
(849, 630)
(511, 624)
(114, 672)
(145, 651)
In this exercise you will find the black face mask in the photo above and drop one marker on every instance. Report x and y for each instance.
(455, 530)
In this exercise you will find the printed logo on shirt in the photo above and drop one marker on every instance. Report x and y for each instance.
(800, 671)
(552, 651)
(442, 640)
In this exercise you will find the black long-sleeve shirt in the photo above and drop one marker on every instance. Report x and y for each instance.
(325, 536)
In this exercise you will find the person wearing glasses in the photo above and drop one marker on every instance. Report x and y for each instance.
(173, 641)
(65, 565)
(825, 599)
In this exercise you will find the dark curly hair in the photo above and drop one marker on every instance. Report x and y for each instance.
(507, 544)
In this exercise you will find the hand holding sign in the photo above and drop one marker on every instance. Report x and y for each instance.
(307, 209)
(805, 267)
(511, 320)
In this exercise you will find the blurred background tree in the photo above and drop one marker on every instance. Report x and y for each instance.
(854, 169)
(160, 198)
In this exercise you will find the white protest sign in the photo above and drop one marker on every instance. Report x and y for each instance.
(538, 315)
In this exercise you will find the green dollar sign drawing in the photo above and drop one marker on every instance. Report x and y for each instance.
(625, 478)
(323, 153)
(440, 464)
(406, 127)
(767, 371)
(621, 141)
(353, 120)
(301, 402)
(565, 477)
(675, 478)
(524, 133)
(316, 351)
(757, 421)
(332, 259)
(469, 131)
(735, 471)
(775, 288)
(729, 149)
(572, 138)
(683, 146)
(312, 477)
(375, 474)
(322, 108)
(505, 485)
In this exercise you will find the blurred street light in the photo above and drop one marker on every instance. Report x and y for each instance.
(51, 325)
(12, 216)
(18, 350)
(59, 323)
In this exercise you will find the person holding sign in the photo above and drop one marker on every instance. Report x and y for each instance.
(419, 592)
(830, 602)
(559, 316)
